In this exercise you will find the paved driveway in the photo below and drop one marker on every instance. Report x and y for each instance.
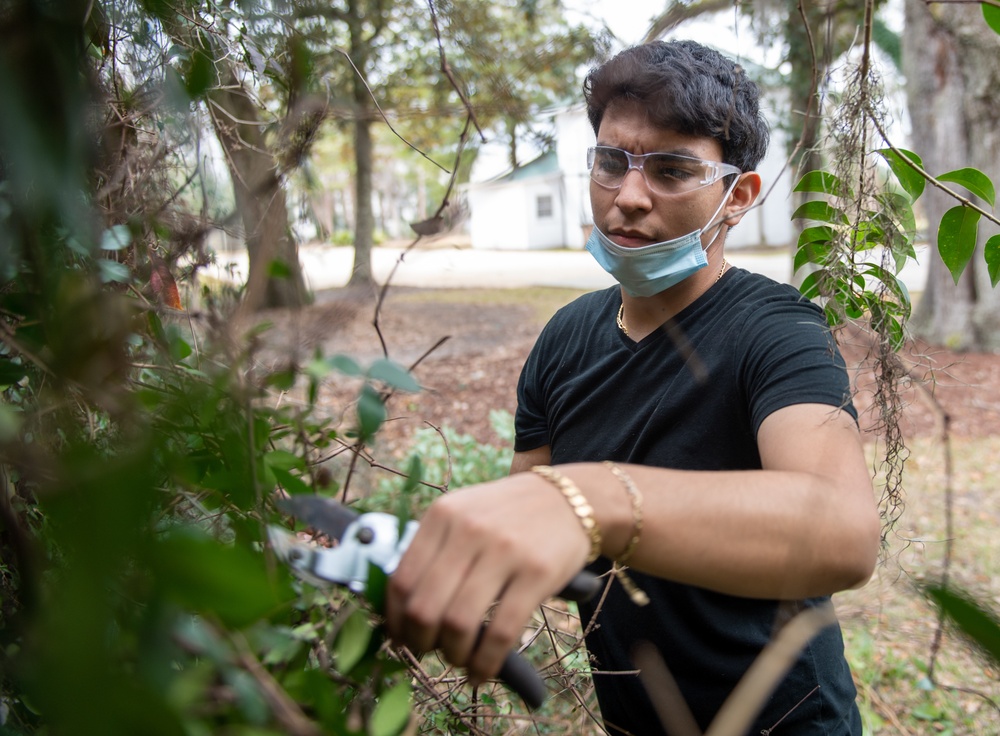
(330, 266)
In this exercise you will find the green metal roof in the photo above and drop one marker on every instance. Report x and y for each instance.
(547, 163)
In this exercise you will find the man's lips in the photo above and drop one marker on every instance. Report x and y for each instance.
(630, 238)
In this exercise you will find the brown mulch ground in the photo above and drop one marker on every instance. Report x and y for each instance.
(475, 368)
(890, 629)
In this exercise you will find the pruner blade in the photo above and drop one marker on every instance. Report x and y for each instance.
(321, 513)
(294, 553)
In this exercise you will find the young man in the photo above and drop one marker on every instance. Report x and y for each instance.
(738, 486)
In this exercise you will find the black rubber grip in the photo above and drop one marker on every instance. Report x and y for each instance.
(518, 674)
(582, 587)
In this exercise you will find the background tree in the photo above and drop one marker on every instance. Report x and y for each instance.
(208, 36)
(950, 59)
(509, 60)
(813, 37)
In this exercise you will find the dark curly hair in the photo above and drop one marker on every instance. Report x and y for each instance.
(689, 88)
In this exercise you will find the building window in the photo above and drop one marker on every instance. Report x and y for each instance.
(543, 205)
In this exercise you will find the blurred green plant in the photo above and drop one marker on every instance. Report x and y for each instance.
(141, 445)
(860, 233)
(449, 459)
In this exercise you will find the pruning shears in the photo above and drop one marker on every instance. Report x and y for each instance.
(377, 541)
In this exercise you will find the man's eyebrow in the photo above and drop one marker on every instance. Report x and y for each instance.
(681, 151)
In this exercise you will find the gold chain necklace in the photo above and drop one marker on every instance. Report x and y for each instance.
(621, 309)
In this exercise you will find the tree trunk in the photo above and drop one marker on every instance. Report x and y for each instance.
(364, 217)
(259, 196)
(949, 54)
(805, 106)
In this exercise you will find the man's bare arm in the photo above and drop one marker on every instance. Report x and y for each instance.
(804, 525)
(525, 461)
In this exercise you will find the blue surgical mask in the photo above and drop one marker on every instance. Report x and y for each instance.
(650, 269)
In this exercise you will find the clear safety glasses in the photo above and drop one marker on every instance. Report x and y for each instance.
(665, 173)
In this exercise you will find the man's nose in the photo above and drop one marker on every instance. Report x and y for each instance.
(634, 192)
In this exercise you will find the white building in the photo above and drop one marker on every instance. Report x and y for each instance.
(546, 203)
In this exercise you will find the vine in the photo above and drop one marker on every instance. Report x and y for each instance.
(864, 235)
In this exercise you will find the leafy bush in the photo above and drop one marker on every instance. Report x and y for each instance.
(449, 459)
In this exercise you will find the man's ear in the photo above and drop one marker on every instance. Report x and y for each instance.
(742, 198)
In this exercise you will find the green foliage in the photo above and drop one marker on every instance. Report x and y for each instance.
(854, 223)
(140, 450)
(991, 13)
(449, 459)
(878, 234)
(974, 619)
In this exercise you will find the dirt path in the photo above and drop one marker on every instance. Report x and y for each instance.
(469, 346)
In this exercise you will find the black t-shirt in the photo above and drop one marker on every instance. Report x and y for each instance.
(690, 396)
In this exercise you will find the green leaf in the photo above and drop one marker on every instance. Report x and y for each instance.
(975, 181)
(820, 211)
(898, 209)
(11, 372)
(278, 269)
(112, 271)
(179, 348)
(346, 365)
(810, 253)
(393, 374)
(282, 380)
(200, 74)
(371, 412)
(248, 698)
(992, 15)
(156, 327)
(279, 644)
(810, 284)
(208, 577)
(889, 279)
(957, 238)
(283, 460)
(847, 298)
(867, 235)
(911, 180)
(977, 622)
(352, 641)
(833, 315)
(392, 712)
(817, 234)
(823, 182)
(291, 483)
(992, 254)
(375, 587)
(897, 336)
(117, 237)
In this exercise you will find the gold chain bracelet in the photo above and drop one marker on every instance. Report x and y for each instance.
(578, 502)
(637, 595)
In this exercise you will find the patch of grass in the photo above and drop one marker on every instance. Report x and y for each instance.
(889, 627)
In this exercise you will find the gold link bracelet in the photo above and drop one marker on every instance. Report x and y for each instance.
(637, 595)
(578, 502)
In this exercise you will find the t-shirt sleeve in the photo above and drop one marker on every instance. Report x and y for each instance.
(791, 357)
(531, 429)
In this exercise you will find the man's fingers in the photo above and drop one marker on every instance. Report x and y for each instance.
(430, 588)
(463, 621)
(504, 631)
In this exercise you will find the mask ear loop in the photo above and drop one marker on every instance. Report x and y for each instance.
(718, 224)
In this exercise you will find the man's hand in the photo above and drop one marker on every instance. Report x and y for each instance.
(513, 542)
(804, 525)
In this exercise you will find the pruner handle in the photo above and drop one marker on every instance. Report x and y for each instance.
(582, 587)
(517, 673)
